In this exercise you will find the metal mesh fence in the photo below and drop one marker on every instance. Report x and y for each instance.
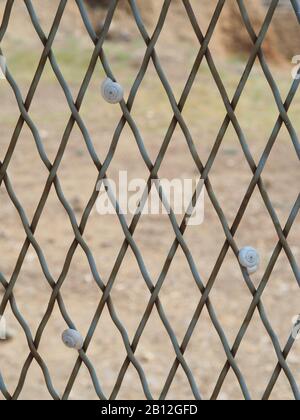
(204, 169)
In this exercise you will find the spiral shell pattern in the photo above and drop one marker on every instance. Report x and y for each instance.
(72, 339)
(249, 258)
(112, 92)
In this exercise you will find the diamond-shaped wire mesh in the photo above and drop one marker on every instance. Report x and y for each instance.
(204, 169)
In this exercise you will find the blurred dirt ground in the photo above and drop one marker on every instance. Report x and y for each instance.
(230, 177)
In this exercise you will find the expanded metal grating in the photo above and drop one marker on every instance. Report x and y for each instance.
(179, 230)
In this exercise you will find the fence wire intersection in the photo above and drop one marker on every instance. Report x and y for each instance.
(153, 167)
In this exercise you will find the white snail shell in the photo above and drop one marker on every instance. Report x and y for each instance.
(72, 339)
(252, 270)
(112, 92)
(249, 258)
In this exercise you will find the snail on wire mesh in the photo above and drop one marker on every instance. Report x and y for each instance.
(72, 339)
(112, 91)
(249, 258)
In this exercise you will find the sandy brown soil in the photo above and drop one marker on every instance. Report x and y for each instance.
(230, 176)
